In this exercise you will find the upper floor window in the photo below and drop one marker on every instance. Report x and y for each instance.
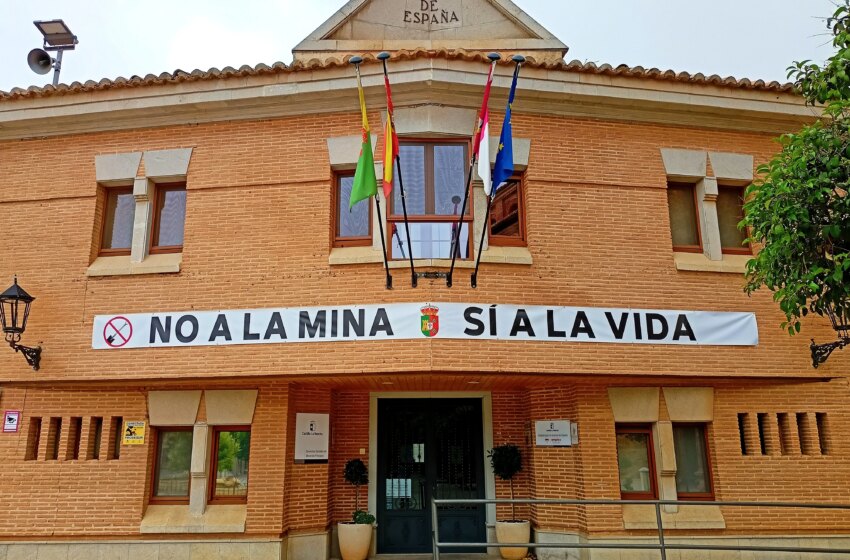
(693, 469)
(353, 227)
(434, 176)
(117, 236)
(507, 215)
(636, 464)
(684, 220)
(169, 218)
(730, 212)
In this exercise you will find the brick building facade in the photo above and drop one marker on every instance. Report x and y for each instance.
(205, 191)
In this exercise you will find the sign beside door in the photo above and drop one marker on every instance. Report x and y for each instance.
(553, 433)
(311, 437)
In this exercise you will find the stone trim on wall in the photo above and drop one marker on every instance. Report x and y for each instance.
(634, 404)
(173, 408)
(631, 405)
(206, 548)
(691, 166)
(180, 408)
(229, 408)
(161, 166)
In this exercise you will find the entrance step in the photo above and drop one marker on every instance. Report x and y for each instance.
(443, 556)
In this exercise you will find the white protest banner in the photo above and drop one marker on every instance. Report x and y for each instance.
(411, 321)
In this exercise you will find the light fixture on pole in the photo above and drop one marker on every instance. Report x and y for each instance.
(58, 38)
(14, 311)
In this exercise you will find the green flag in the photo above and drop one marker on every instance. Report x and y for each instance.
(365, 181)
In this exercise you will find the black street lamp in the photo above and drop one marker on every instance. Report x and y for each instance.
(14, 311)
(841, 323)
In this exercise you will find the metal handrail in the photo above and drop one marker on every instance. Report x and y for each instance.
(662, 546)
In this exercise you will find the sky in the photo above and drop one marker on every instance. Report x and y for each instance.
(742, 38)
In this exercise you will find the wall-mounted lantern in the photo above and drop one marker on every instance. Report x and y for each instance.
(841, 324)
(14, 311)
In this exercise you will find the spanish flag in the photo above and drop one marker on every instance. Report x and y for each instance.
(365, 182)
(390, 143)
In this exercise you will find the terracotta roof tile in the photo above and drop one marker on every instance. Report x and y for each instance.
(575, 66)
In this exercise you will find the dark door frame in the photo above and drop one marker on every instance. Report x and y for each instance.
(487, 439)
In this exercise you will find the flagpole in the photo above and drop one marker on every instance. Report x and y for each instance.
(518, 59)
(356, 61)
(494, 57)
(383, 57)
(474, 278)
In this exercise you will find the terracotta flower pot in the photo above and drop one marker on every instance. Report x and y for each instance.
(513, 532)
(354, 541)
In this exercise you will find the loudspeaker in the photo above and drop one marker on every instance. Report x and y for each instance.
(39, 61)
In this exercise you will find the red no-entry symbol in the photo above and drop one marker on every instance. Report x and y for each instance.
(118, 332)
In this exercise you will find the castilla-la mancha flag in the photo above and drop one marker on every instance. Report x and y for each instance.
(481, 142)
(365, 181)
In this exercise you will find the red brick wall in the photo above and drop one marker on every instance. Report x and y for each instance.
(307, 495)
(258, 216)
(350, 434)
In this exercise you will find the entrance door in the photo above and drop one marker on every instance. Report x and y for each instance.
(429, 448)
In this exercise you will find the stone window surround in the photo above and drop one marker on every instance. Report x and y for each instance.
(641, 405)
(438, 123)
(161, 166)
(180, 408)
(690, 166)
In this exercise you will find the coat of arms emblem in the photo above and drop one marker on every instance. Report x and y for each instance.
(430, 321)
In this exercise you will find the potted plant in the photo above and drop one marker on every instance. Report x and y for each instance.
(355, 536)
(506, 461)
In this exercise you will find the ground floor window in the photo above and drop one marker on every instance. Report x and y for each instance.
(693, 468)
(172, 465)
(231, 446)
(635, 461)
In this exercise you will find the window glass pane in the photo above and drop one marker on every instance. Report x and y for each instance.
(730, 212)
(173, 455)
(353, 223)
(429, 240)
(413, 171)
(691, 459)
(683, 218)
(171, 215)
(231, 477)
(118, 230)
(449, 179)
(504, 214)
(633, 460)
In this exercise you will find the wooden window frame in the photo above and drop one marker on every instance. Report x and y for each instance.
(699, 496)
(398, 218)
(517, 182)
(688, 248)
(166, 500)
(743, 250)
(337, 239)
(104, 252)
(653, 482)
(213, 499)
(159, 190)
